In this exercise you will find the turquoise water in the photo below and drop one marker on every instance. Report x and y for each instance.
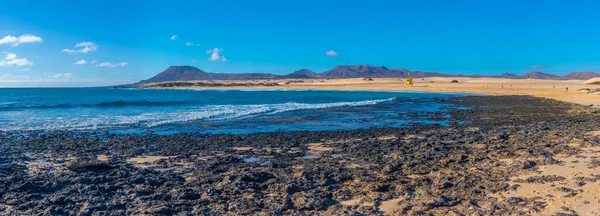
(210, 111)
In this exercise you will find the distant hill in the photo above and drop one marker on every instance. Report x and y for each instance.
(185, 73)
(356, 71)
(581, 75)
(301, 74)
(182, 73)
(539, 75)
(508, 75)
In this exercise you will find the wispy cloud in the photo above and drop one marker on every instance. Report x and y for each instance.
(174, 37)
(111, 65)
(81, 62)
(23, 39)
(83, 47)
(537, 67)
(191, 44)
(61, 76)
(11, 60)
(331, 53)
(216, 54)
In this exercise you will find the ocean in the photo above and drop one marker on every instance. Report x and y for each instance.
(122, 110)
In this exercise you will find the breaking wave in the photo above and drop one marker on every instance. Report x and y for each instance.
(153, 119)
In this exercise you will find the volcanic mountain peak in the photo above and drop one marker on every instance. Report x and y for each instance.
(508, 75)
(354, 71)
(582, 75)
(302, 73)
(177, 73)
(539, 75)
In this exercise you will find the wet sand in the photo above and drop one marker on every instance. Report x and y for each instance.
(511, 155)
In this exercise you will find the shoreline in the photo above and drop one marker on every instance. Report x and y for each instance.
(539, 88)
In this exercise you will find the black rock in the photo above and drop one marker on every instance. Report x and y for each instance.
(292, 188)
(88, 165)
(257, 176)
(188, 195)
(160, 210)
(528, 164)
(311, 202)
(550, 161)
(393, 167)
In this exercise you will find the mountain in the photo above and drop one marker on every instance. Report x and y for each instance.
(539, 75)
(581, 75)
(186, 73)
(181, 73)
(357, 71)
(301, 74)
(508, 75)
(177, 73)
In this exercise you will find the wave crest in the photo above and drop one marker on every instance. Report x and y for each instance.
(203, 113)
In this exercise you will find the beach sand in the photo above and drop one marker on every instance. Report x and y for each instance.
(564, 90)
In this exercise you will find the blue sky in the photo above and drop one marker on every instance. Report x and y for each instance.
(127, 41)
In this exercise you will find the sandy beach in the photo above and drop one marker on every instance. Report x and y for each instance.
(564, 90)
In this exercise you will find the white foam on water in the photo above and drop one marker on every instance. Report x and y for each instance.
(152, 119)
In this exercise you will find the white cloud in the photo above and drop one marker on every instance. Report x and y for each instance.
(192, 44)
(81, 62)
(84, 47)
(23, 39)
(93, 61)
(8, 40)
(216, 55)
(331, 53)
(174, 37)
(11, 59)
(111, 65)
(10, 56)
(61, 76)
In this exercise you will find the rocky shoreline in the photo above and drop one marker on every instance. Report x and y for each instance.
(460, 169)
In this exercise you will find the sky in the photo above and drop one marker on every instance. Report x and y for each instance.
(96, 43)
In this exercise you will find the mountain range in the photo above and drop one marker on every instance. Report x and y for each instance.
(184, 73)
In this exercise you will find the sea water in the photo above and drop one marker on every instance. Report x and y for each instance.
(208, 111)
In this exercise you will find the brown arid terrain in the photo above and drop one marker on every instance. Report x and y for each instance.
(564, 90)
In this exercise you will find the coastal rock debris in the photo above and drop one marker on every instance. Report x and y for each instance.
(82, 165)
(440, 170)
